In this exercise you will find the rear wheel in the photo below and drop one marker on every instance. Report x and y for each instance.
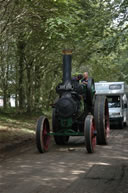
(42, 137)
(90, 133)
(101, 116)
(59, 140)
(121, 124)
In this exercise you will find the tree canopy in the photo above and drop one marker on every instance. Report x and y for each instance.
(33, 34)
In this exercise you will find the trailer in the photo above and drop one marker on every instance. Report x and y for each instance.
(117, 95)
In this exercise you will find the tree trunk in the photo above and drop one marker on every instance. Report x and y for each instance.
(16, 89)
(37, 87)
(5, 85)
(21, 47)
(5, 98)
(29, 88)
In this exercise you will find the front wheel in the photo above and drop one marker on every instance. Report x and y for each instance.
(90, 133)
(42, 137)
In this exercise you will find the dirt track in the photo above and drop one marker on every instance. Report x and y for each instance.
(68, 169)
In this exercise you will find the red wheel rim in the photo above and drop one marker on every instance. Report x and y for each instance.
(45, 136)
(93, 134)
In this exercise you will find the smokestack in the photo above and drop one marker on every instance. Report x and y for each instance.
(67, 59)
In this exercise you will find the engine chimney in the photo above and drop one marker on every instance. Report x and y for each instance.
(67, 59)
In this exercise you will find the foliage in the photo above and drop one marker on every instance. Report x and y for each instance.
(33, 34)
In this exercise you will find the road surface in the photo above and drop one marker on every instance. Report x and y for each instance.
(68, 169)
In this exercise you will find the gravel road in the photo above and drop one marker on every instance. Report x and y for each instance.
(67, 169)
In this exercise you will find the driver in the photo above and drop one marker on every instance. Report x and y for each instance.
(85, 78)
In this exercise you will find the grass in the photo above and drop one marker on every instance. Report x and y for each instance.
(16, 128)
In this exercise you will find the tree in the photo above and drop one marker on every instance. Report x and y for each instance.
(33, 34)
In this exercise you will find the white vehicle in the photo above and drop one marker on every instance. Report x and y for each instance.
(117, 94)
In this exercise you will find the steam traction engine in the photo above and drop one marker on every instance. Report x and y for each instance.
(76, 112)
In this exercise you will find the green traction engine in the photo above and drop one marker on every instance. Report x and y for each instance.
(76, 112)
